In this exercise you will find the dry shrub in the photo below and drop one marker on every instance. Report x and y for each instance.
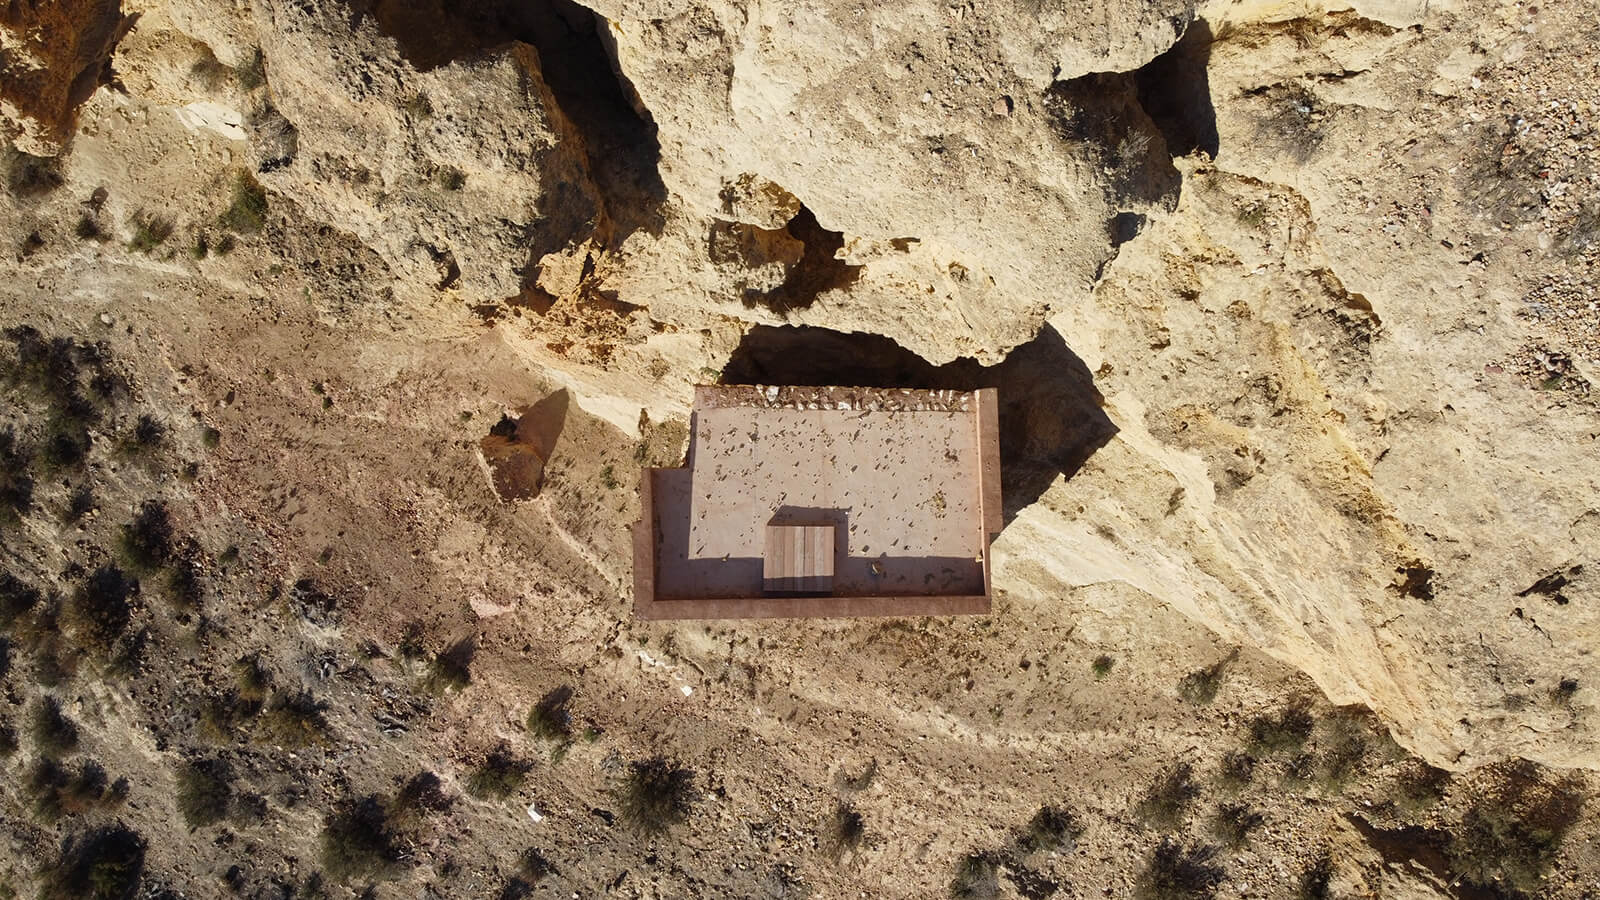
(53, 732)
(452, 667)
(148, 539)
(1288, 730)
(1176, 872)
(1169, 798)
(845, 830)
(657, 793)
(358, 839)
(1051, 829)
(104, 606)
(977, 878)
(1510, 835)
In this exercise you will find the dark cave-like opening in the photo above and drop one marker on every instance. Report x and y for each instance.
(1051, 415)
(1175, 91)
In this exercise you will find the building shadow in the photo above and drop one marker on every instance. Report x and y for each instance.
(1052, 418)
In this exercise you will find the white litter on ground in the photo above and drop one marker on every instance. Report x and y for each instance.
(686, 690)
(534, 814)
(215, 117)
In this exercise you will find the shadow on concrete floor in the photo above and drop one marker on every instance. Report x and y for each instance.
(1051, 415)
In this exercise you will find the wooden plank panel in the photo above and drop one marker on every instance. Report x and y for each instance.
(798, 559)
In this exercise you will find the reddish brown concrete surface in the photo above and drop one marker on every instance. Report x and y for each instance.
(906, 481)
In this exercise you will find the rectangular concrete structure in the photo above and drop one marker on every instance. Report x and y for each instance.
(823, 501)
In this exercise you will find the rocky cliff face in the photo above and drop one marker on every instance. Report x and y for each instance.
(1291, 308)
(56, 55)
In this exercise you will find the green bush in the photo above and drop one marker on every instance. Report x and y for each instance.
(551, 717)
(500, 774)
(106, 863)
(205, 791)
(657, 793)
(247, 213)
(1102, 665)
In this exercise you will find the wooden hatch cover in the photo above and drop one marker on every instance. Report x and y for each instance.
(798, 560)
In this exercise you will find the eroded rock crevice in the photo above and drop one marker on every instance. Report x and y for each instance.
(55, 55)
(818, 270)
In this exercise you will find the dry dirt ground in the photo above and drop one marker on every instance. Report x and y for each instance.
(337, 331)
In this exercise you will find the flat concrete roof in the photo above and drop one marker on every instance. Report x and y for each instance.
(908, 481)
